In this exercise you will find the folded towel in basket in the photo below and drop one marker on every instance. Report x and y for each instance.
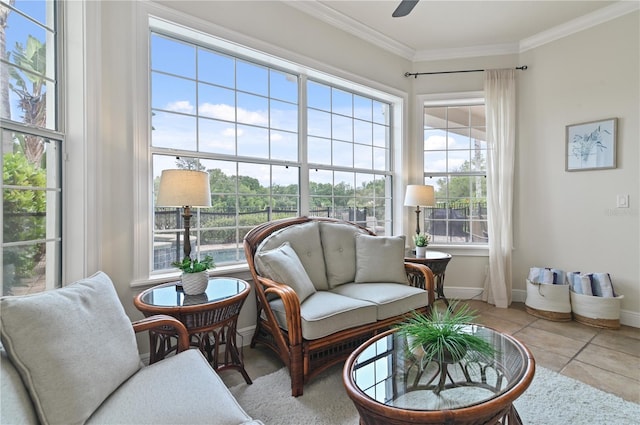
(602, 286)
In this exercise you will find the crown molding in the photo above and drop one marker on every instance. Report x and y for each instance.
(582, 23)
(352, 26)
(466, 52)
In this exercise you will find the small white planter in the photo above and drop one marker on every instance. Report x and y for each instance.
(421, 251)
(195, 283)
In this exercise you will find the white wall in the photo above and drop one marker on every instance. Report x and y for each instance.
(565, 219)
(562, 219)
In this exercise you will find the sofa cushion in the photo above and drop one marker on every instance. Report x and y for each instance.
(305, 241)
(325, 313)
(150, 396)
(391, 299)
(15, 404)
(339, 247)
(380, 259)
(72, 346)
(283, 265)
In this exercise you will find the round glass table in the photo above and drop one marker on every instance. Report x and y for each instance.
(391, 384)
(210, 318)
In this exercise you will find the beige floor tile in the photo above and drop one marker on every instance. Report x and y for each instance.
(572, 330)
(515, 315)
(618, 342)
(626, 331)
(611, 360)
(499, 324)
(547, 359)
(551, 342)
(610, 382)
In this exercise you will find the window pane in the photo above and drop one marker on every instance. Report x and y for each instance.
(341, 102)
(217, 136)
(283, 86)
(216, 102)
(172, 56)
(453, 152)
(342, 128)
(284, 116)
(252, 78)
(284, 145)
(318, 123)
(363, 132)
(362, 108)
(31, 75)
(319, 150)
(31, 196)
(252, 109)
(253, 141)
(318, 96)
(173, 94)
(216, 68)
(173, 131)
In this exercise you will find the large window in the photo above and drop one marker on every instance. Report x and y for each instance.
(239, 117)
(455, 156)
(31, 144)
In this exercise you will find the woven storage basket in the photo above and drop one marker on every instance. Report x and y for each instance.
(548, 301)
(596, 311)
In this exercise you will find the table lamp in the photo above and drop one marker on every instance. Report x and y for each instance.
(187, 189)
(417, 195)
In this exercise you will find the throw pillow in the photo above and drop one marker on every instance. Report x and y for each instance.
(380, 259)
(283, 265)
(72, 347)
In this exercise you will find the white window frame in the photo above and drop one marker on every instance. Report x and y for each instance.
(287, 61)
(446, 99)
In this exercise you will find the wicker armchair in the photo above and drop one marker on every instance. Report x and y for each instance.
(306, 357)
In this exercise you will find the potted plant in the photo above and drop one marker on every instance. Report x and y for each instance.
(421, 240)
(445, 338)
(194, 274)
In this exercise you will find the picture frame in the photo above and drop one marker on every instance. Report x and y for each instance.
(591, 145)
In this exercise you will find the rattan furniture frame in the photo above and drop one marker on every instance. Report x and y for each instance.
(210, 325)
(437, 262)
(307, 358)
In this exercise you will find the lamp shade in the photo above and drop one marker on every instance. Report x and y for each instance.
(419, 195)
(182, 188)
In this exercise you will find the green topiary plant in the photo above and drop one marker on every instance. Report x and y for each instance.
(444, 337)
(195, 266)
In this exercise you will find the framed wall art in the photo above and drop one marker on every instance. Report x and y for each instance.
(591, 145)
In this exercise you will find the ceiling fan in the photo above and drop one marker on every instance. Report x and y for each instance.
(404, 8)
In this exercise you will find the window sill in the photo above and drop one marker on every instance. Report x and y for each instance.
(240, 271)
(462, 250)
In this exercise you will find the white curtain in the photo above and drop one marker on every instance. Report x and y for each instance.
(500, 101)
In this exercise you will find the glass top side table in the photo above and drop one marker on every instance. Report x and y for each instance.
(389, 383)
(210, 318)
(437, 261)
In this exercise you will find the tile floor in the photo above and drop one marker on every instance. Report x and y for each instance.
(605, 359)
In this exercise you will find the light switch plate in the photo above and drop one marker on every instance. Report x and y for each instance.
(622, 201)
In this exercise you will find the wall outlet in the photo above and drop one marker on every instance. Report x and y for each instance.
(622, 201)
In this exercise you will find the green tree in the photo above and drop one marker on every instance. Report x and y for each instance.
(31, 93)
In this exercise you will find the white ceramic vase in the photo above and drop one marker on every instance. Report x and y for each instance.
(195, 283)
(421, 251)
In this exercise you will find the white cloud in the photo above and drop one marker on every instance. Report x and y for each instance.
(180, 106)
(439, 142)
(228, 113)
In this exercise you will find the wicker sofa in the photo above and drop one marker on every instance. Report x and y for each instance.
(69, 356)
(324, 286)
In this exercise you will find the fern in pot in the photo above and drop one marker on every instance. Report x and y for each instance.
(195, 276)
(444, 338)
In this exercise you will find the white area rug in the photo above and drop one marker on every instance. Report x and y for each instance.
(551, 399)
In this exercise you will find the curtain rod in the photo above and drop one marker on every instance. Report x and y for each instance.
(415, 74)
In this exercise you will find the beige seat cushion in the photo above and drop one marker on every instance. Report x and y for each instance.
(380, 259)
(15, 404)
(182, 389)
(339, 246)
(72, 347)
(325, 313)
(391, 299)
(283, 265)
(305, 241)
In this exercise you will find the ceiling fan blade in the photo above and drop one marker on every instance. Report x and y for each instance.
(404, 8)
